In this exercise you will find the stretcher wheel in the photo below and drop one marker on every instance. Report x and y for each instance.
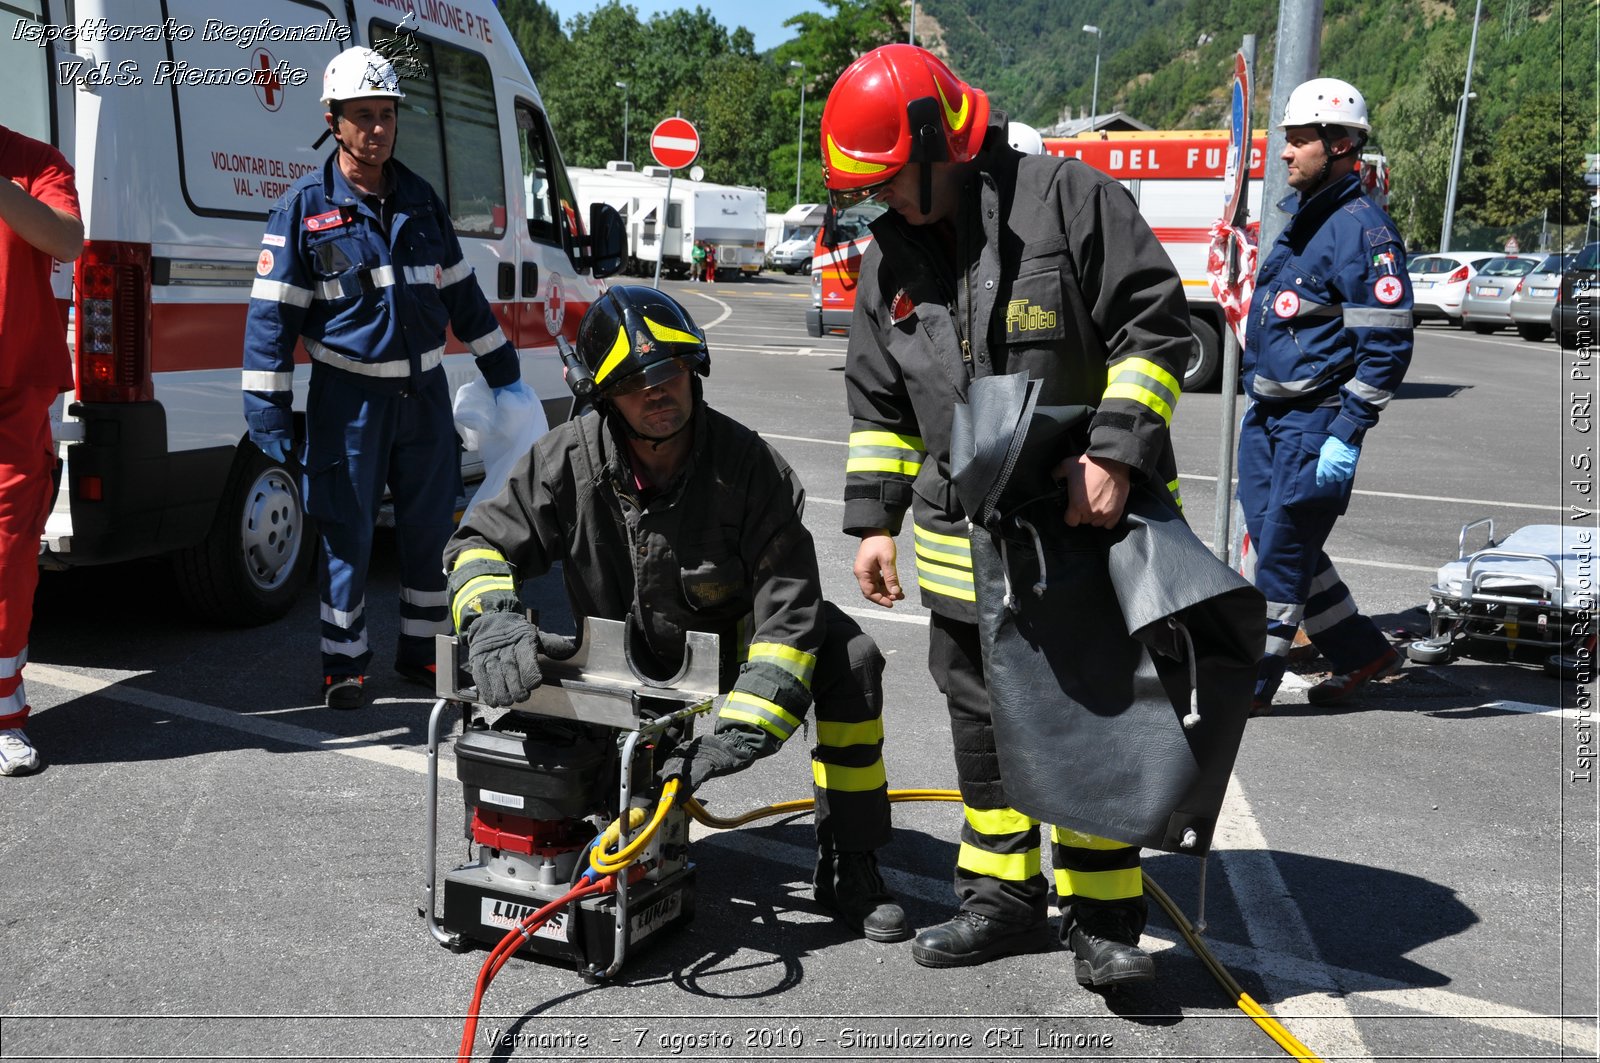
(1429, 651)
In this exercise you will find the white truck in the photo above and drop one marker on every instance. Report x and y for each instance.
(731, 218)
(185, 120)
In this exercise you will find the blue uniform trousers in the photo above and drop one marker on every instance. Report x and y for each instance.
(358, 442)
(1289, 519)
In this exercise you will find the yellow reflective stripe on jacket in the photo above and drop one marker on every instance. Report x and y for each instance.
(1172, 488)
(797, 663)
(474, 589)
(879, 451)
(759, 712)
(839, 735)
(1008, 867)
(998, 820)
(1099, 885)
(849, 780)
(469, 556)
(1143, 381)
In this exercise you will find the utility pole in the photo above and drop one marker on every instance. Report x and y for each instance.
(1299, 56)
(1461, 136)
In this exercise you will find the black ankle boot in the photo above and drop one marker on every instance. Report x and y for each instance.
(1104, 961)
(971, 938)
(848, 884)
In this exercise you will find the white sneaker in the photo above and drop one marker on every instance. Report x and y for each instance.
(17, 754)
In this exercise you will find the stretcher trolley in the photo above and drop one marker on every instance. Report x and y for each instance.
(1533, 593)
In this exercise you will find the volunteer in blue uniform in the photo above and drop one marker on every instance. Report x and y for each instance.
(1329, 342)
(361, 263)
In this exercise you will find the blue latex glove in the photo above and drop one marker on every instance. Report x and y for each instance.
(1337, 461)
(518, 389)
(276, 449)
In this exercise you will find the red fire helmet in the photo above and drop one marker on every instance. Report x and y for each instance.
(894, 105)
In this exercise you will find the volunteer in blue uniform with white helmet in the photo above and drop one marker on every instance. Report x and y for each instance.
(361, 263)
(1329, 342)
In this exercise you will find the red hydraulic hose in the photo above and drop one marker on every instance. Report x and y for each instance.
(507, 948)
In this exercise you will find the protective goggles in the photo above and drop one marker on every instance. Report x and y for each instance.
(651, 376)
(845, 198)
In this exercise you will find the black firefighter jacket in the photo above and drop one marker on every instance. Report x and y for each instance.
(1060, 278)
(722, 550)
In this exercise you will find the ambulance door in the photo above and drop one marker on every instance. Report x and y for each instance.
(450, 135)
(554, 292)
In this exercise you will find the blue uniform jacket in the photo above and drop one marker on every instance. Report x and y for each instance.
(372, 307)
(1330, 322)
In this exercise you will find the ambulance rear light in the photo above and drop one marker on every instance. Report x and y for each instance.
(112, 285)
(1457, 276)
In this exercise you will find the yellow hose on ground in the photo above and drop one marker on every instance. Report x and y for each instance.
(1269, 1025)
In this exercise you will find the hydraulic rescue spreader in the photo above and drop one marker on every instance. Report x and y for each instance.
(543, 781)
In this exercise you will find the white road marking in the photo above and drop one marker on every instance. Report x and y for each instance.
(1273, 922)
(1281, 950)
(726, 310)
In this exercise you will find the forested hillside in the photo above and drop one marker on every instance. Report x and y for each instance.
(1164, 62)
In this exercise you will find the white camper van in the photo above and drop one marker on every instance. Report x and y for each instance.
(186, 120)
(732, 218)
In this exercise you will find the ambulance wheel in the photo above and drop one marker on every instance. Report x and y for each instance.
(1205, 359)
(1429, 651)
(249, 569)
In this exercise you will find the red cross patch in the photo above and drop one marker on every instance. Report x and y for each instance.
(264, 262)
(901, 308)
(1388, 290)
(1286, 304)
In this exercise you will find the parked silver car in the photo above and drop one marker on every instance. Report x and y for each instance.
(1487, 305)
(1535, 297)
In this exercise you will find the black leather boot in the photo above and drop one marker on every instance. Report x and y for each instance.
(971, 938)
(1108, 953)
(848, 884)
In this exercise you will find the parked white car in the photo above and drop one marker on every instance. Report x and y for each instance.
(1439, 282)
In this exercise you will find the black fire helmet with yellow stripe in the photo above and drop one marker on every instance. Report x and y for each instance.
(634, 337)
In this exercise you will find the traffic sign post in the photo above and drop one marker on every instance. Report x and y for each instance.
(1235, 215)
(675, 143)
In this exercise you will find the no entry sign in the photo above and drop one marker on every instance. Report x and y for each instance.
(674, 143)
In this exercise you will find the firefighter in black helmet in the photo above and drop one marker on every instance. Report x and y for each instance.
(664, 510)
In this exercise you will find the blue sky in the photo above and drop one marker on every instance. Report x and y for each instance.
(763, 18)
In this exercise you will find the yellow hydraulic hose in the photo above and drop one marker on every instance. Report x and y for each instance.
(609, 863)
(1269, 1025)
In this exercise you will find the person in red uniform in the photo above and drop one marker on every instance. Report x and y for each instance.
(39, 221)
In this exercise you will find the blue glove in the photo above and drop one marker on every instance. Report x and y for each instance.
(517, 389)
(1337, 462)
(276, 449)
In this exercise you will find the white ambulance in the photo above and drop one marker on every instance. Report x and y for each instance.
(186, 120)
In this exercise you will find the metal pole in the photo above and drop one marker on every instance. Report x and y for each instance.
(799, 141)
(1222, 530)
(913, 38)
(1299, 54)
(661, 245)
(623, 85)
(1461, 136)
(1094, 97)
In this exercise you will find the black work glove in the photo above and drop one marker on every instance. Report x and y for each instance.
(732, 749)
(503, 656)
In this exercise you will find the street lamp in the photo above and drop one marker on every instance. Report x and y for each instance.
(1461, 136)
(623, 85)
(800, 137)
(1094, 100)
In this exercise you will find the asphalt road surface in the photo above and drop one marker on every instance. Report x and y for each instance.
(213, 866)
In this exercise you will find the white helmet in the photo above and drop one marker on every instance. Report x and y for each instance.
(1326, 101)
(1024, 138)
(360, 72)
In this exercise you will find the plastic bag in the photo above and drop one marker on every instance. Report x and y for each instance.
(500, 431)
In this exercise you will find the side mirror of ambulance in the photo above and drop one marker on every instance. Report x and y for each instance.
(830, 231)
(607, 239)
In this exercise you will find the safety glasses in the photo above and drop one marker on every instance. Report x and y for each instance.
(845, 198)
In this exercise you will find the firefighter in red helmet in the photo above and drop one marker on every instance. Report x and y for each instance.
(992, 261)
